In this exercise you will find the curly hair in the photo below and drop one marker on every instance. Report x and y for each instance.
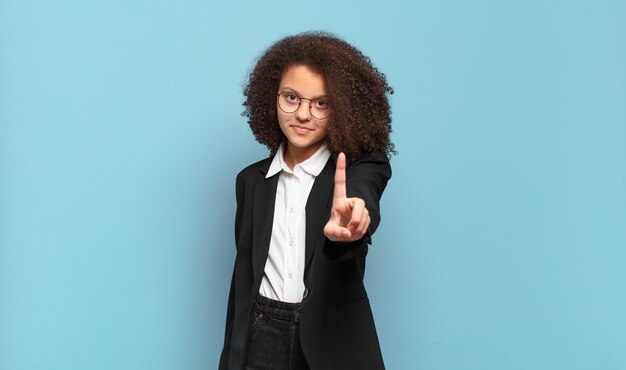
(361, 118)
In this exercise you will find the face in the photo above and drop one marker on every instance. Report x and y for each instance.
(304, 133)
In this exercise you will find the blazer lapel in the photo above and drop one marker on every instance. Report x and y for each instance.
(317, 210)
(262, 219)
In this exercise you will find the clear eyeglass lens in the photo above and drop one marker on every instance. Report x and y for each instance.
(319, 109)
(289, 102)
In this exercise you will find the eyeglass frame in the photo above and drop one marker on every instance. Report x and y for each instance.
(300, 103)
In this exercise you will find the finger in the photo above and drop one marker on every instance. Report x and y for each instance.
(340, 177)
(363, 226)
(358, 206)
(336, 233)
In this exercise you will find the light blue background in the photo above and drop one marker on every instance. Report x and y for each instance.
(503, 240)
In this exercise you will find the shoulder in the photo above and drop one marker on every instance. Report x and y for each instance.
(255, 170)
(378, 157)
(371, 162)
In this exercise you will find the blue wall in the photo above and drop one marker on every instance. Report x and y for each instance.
(503, 241)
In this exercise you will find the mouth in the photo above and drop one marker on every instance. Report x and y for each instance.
(301, 130)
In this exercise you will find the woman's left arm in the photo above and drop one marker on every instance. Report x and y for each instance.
(355, 213)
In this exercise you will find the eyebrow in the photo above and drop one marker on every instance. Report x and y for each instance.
(287, 88)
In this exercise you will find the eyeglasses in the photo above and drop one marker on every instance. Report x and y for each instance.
(289, 102)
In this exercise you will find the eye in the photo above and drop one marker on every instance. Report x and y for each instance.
(322, 104)
(292, 98)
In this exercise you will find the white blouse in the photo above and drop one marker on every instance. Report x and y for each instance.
(283, 279)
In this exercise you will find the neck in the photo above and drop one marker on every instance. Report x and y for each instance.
(294, 155)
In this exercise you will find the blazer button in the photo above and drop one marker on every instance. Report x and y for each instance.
(306, 293)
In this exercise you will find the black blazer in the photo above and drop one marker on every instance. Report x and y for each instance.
(337, 328)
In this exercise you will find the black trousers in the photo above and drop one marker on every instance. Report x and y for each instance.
(275, 338)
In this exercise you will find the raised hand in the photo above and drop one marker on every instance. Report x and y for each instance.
(349, 218)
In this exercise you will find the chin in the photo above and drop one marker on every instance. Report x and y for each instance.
(305, 143)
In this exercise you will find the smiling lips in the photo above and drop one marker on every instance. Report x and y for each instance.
(301, 130)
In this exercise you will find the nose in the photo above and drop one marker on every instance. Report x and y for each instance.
(304, 111)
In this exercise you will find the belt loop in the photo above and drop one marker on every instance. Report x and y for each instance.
(297, 313)
(267, 306)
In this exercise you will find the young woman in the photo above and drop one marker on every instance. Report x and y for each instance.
(306, 214)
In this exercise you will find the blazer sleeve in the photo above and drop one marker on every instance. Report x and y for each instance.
(223, 365)
(366, 178)
(239, 191)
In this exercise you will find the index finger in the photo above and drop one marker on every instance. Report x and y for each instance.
(340, 177)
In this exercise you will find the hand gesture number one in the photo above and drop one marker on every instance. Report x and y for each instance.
(349, 219)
